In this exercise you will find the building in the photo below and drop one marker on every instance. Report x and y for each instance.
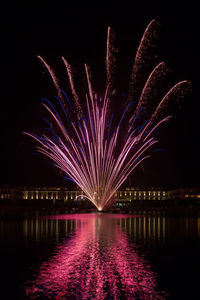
(184, 194)
(130, 197)
(53, 194)
(130, 194)
(6, 193)
(63, 194)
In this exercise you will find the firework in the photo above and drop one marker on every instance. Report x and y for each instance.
(97, 151)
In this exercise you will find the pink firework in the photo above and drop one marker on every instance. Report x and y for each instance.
(98, 152)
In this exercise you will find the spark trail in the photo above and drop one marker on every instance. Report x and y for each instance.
(98, 152)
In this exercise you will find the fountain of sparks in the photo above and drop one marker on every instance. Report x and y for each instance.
(98, 151)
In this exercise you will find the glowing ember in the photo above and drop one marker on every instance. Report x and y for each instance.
(98, 151)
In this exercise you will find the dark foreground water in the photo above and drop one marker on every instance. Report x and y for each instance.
(100, 256)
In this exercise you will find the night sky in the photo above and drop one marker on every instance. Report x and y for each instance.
(78, 31)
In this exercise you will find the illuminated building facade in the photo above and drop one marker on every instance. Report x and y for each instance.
(5, 193)
(46, 193)
(184, 194)
(127, 197)
(130, 194)
(63, 194)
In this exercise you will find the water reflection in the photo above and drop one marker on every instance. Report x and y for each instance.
(99, 251)
(97, 261)
(146, 229)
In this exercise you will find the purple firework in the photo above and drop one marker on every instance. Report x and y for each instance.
(92, 151)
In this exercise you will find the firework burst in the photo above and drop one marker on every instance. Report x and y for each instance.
(98, 151)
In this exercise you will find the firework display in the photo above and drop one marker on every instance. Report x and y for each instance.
(92, 145)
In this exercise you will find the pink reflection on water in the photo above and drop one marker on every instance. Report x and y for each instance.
(97, 262)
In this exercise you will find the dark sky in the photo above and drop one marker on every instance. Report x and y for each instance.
(78, 31)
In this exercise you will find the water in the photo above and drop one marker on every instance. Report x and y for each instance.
(100, 256)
